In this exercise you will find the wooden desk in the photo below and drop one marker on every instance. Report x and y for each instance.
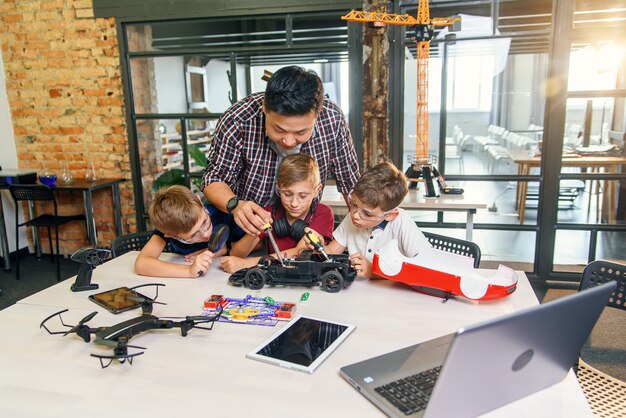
(207, 373)
(609, 164)
(415, 200)
(87, 188)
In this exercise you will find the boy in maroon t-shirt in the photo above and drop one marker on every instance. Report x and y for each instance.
(297, 185)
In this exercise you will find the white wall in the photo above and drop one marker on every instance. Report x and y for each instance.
(8, 159)
(219, 85)
(170, 80)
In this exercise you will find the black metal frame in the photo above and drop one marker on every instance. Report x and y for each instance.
(560, 36)
(353, 47)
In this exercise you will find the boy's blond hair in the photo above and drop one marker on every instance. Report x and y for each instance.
(174, 210)
(296, 168)
(382, 186)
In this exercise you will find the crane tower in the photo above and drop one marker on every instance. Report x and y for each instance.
(424, 31)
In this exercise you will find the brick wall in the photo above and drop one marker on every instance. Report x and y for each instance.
(65, 94)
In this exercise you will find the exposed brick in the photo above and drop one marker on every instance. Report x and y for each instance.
(51, 4)
(11, 18)
(72, 130)
(110, 101)
(82, 4)
(65, 93)
(84, 13)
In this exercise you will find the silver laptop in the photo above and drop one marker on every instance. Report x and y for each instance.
(485, 366)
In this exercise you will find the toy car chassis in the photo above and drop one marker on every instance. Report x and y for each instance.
(308, 269)
(443, 274)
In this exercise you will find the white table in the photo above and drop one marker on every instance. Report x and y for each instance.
(207, 374)
(415, 200)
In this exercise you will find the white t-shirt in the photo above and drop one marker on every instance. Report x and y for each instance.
(368, 240)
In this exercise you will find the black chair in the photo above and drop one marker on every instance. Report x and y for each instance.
(37, 192)
(606, 395)
(451, 245)
(132, 242)
(455, 245)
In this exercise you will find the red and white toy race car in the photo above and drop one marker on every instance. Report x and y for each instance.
(445, 273)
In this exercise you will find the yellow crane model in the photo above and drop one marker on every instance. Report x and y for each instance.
(424, 31)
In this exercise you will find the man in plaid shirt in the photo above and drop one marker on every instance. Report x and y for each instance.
(254, 134)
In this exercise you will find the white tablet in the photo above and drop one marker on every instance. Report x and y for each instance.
(303, 344)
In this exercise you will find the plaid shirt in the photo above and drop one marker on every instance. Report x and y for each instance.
(242, 158)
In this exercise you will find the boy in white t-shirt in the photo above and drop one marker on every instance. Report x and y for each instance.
(375, 219)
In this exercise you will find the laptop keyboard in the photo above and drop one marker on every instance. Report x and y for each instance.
(410, 394)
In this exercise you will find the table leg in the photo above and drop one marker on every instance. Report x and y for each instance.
(608, 198)
(518, 191)
(4, 240)
(117, 206)
(33, 213)
(469, 228)
(523, 191)
(91, 222)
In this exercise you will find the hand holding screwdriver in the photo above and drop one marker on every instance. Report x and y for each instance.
(267, 228)
(317, 245)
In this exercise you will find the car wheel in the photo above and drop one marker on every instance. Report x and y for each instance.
(332, 281)
(255, 279)
(236, 279)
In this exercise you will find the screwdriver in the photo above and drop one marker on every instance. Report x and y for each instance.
(267, 228)
(317, 245)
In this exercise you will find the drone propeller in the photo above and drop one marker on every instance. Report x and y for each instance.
(120, 351)
(120, 357)
(142, 299)
(81, 323)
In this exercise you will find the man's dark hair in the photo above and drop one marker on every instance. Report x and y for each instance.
(294, 91)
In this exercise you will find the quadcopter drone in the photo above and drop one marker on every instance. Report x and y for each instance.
(118, 335)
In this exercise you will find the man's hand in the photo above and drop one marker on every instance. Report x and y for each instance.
(251, 217)
(201, 264)
(361, 265)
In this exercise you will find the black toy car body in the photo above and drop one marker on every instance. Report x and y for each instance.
(308, 269)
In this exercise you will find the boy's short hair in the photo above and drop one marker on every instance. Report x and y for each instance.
(382, 186)
(174, 210)
(292, 91)
(296, 168)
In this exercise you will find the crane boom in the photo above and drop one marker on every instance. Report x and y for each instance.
(424, 32)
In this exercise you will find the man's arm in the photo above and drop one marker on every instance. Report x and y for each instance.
(248, 215)
(218, 194)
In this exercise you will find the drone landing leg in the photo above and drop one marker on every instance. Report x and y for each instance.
(83, 279)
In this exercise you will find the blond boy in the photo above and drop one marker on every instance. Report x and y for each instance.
(183, 222)
(375, 219)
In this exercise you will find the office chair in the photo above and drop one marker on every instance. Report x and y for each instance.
(455, 245)
(133, 242)
(606, 395)
(451, 245)
(32, 193)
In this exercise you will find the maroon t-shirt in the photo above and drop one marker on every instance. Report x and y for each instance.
(323, 222)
